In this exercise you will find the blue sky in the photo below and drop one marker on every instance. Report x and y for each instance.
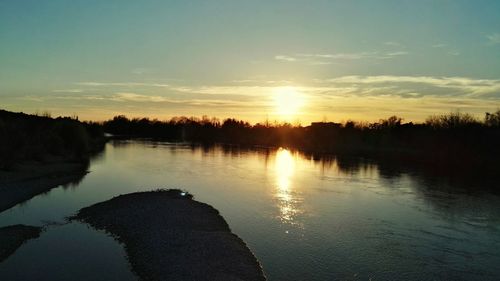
(359, 60)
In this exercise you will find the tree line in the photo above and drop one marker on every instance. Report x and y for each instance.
(447, 141)
(41, 138)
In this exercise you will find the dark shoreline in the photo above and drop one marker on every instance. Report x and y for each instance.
(29, 180)
(38, 153)
(14, 236)
(169, 236)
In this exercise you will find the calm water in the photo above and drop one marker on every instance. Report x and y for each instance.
(304, 219)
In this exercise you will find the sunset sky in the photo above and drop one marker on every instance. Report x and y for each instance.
(255, 60)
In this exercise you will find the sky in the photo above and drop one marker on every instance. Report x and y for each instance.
(285, 60)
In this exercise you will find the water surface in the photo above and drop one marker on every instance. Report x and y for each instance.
(304, 218)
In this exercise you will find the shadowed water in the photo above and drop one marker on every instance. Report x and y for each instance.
(304, 217)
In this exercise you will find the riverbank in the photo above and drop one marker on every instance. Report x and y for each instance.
(169, 236)
(38, 153)
(28, 180)
(12, 237)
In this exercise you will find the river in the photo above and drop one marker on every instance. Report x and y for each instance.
(305, 218)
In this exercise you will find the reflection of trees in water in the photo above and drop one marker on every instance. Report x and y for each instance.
(460, 198)
(11, 195)
(74, 182)
(450, 192)
(454, 195)
(388, 167)
(95, 156)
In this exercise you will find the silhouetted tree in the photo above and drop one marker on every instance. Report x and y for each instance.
(492, 119)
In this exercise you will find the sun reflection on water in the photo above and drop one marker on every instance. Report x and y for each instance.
(286, 193)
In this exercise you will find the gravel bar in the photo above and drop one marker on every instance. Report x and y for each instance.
(169, 236)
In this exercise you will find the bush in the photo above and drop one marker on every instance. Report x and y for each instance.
(453, 120)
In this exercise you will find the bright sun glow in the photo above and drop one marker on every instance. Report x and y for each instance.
(288, 101)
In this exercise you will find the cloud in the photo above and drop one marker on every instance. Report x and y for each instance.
(355, 97)
(320, 62)
(138, 97)
(32, 98)
(141, 70)
(400, 53)
(239, 90)
(244, 81)
(446, 48)
(131, 98)
(494, 38)
(393, 43)
(325, 59)
(284, 58)
(248, 89)
(68, 91)
(465, 85)
(123, 84)
(346, 56)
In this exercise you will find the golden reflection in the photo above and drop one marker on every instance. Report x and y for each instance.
(284, 168)
(286, 194)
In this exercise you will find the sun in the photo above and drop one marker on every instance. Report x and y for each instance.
(288, 101)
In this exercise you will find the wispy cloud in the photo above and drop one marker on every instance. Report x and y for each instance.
(284, 58)
(355, 96)
(393, 44)
(154, 100)
(494, 38)
(68, 91)
(354, 84)
(323, 59)
(465, 85)
(31, 98)
(141, 70)
(400, 53)
(240, 90)
(449, 50)
(121, 84)
(345, 56)
(137, 97)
